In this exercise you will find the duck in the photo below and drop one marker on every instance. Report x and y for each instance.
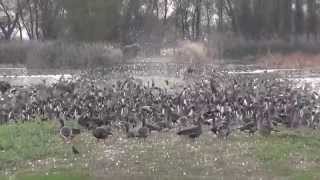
(191, 132)
(102, 133)
(249, 128)
(67, 133)
(75, 150)
(264, 125)
(265, 129)
(143, 132)
(223, 131)
(4, 86)
(153, 127)
(130, 131)
(140, 131)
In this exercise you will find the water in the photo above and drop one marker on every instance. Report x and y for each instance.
(31, 80)
(261, 71)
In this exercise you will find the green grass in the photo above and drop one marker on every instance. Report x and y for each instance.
(53, 175)
(25, 141)
(28, 142)
(290, 155)
(293, 155)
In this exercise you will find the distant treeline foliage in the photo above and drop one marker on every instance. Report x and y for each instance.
(161, 21)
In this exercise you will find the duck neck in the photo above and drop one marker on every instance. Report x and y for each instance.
(61, 123)
(143, 122)
(199, 123)
(127, 127)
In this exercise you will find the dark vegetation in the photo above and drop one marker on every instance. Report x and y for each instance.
(128, 21)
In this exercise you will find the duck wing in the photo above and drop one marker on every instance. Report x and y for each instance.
(190, 131)
(143, 132)
(75, 131)
(153, 127)
(99, 133)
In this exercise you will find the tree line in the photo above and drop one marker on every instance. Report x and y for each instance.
(157, 21)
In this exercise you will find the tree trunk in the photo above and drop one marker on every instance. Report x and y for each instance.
(186, 25)
(220, 14)
(285, 22)
(193, 24)
(8, 27)
(31, 34)
(20, 31)
(230, 12)
(299, 18)
(155, 7)
(165, 11)
(312, 19)
(198, 20)
(208, 16)
(36, 11)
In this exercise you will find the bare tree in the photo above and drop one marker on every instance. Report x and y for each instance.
(229, 6)
(156, 7)
(10, 20)
(312, 18)
(29, 17)
(198, 19)
(166, 7)
(220, 7)
(209, 10)
(51, 18)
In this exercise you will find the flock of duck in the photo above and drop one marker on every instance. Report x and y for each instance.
(225, 103)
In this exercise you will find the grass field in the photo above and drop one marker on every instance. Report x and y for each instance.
(35, 151)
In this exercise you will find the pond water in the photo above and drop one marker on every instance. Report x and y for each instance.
(260, 71)
(30, 80)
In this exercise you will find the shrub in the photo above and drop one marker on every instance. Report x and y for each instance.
(230, 46)
(191, 52)
(58, 54)
(13, 52)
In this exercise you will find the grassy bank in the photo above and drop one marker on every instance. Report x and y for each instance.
(33, 146)
(53, 175)
(35, 151)
(21, 144)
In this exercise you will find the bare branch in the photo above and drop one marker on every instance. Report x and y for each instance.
(6, 11)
